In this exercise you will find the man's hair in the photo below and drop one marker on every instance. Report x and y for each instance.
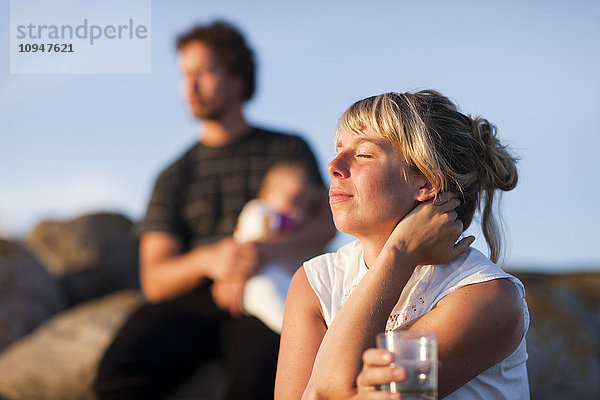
(230, 47)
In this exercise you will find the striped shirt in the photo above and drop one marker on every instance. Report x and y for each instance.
(199, 197)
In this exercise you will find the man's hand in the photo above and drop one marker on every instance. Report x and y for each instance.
(227, 294)
(231, 259)
(232, 263)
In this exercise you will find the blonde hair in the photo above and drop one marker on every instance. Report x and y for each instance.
(453, 151)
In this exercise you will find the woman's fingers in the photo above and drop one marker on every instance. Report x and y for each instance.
(452, 215)
(443, 198)
(370, 377)
(376, 356)
(376, 396)
(430, 231)
(448, 205)
(462, 246)
(377, 370)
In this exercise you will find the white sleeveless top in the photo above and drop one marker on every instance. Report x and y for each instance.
(334, 276)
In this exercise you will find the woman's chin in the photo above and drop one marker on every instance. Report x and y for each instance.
(340, 223)
(345, 227)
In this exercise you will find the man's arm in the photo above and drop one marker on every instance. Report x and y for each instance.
(167, 272)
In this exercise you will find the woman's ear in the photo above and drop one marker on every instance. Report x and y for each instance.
(428, 190)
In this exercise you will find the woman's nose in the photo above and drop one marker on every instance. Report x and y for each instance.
(338, 167)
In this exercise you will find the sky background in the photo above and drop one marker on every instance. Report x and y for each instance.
(73, 144)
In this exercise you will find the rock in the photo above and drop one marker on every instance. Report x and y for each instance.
(564, 335)
(28, 294)
(5, 233)
(91, 255)
(59, 359)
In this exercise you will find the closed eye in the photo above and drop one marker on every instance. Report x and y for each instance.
(363, 155)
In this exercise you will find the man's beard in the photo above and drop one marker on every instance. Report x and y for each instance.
(208, 110)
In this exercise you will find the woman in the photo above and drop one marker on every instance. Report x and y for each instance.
(399, 158)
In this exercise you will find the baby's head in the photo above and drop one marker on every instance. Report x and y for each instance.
(286, 189)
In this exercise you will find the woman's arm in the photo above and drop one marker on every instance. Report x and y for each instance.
(477, 326)
(353, 330)
(303, 330)
(427, 235)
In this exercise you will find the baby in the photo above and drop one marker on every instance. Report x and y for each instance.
(284, 203)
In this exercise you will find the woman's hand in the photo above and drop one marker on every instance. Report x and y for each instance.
(428, 234)
(377, 371)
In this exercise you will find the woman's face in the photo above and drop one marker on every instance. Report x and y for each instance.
(372, 188)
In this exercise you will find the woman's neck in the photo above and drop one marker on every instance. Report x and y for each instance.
(372, 248)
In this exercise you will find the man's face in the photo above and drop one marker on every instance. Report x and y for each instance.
(210, 89)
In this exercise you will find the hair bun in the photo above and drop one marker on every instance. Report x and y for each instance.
(498, 165)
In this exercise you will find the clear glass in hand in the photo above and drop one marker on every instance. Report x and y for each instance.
(416, 351)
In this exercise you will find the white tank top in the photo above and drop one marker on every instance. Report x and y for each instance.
(334, 276)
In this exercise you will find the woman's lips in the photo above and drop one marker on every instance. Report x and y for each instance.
(336, 196)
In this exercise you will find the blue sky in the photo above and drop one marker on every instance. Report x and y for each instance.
(71, 144)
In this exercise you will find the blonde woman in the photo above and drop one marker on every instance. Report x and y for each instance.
(399, 158)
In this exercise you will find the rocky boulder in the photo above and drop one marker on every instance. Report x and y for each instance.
(60, 358)
(564, 335)
(91, 255)
(28, 294)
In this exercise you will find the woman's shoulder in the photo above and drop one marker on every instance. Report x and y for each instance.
(332, 274)
(470, 268)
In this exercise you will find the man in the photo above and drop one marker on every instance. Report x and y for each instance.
(191, 270)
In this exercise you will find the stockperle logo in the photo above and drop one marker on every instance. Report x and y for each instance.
(80, 37)
(83, 31)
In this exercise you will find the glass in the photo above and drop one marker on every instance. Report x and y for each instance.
(416, 351)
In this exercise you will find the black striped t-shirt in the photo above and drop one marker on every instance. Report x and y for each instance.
(199, 197)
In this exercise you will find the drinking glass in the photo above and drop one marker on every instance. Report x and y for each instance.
(416, 351)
